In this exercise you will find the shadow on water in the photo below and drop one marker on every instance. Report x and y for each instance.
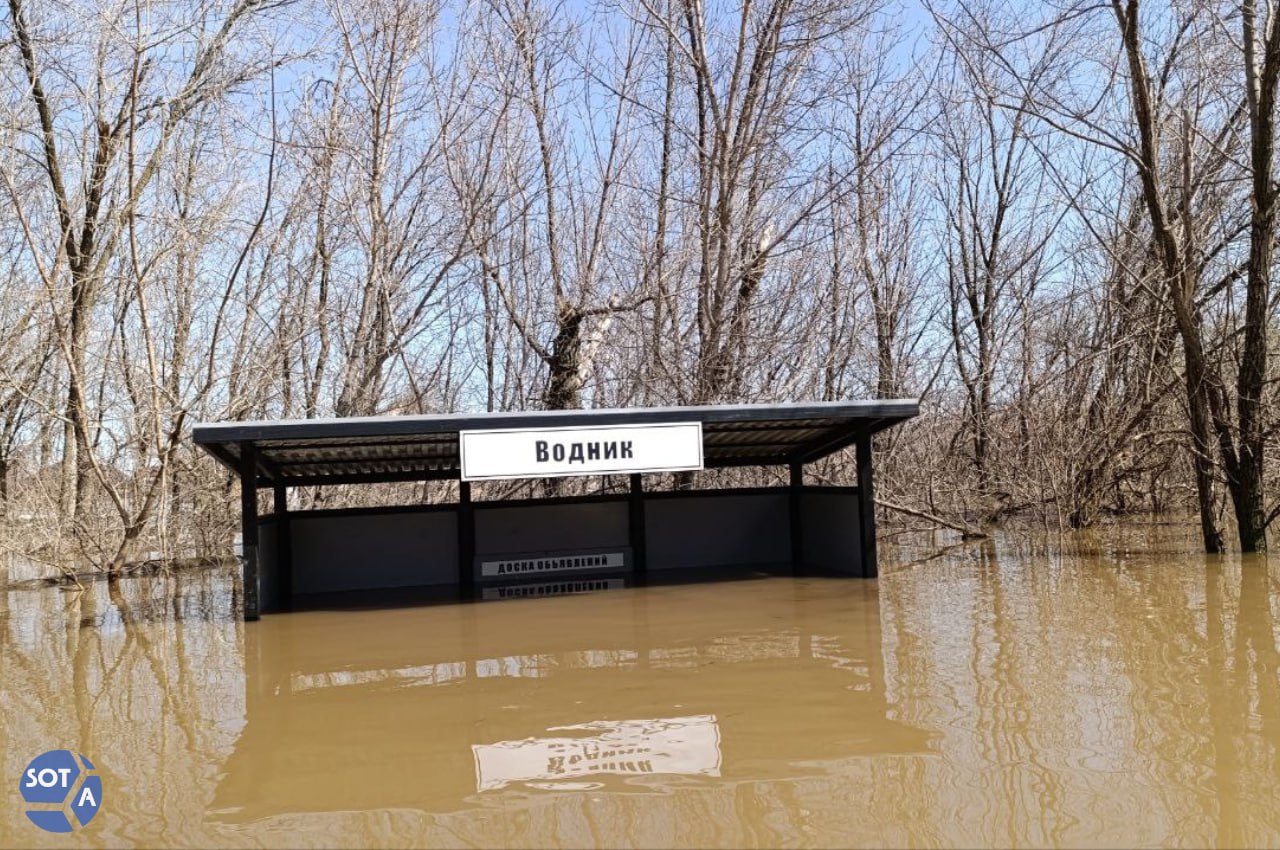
(1111, 690)
(451, 594)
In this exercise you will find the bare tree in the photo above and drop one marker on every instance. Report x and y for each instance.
(1260, 49)
(1177, 120)
(138, 101)
(995, 199)
(755, 79)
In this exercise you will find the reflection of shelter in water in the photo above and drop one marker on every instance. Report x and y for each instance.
(432, 707)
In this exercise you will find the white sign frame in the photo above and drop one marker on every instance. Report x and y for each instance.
(509, 445)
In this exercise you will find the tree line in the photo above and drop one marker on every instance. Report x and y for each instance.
(1054, 223)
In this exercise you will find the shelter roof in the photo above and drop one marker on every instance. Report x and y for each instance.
(402, 448)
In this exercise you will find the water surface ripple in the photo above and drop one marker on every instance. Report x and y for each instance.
(1107, 690)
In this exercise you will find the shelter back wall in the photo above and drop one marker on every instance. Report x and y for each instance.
(403, 547)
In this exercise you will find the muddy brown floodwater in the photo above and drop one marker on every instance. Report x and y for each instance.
(1107, 690)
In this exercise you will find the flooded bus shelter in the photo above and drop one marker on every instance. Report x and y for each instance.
(542, 546)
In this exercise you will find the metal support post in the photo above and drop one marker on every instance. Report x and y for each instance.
(284, 550)
(466, 540)
(796, 520)
(636, 529)
(249, 527)
(866, 509)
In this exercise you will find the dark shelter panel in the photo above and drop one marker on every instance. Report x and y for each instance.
(716, 529)
(501, 549)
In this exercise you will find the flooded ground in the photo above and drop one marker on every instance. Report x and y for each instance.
(1107, 690)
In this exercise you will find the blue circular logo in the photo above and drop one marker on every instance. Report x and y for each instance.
(63, 791)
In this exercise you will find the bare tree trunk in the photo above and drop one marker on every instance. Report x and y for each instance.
(1260, 91)
(565, 363)
(1176, 272)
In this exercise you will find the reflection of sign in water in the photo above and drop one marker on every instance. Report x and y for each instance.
(551, 588)
(541, 452)
(673, 745)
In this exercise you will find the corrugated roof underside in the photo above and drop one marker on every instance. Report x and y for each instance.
(426, 446)
(724, 444)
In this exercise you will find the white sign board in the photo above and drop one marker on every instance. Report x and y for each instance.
(599, 450)
(687, 746)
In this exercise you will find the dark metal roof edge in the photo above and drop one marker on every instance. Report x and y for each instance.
(394, 425)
